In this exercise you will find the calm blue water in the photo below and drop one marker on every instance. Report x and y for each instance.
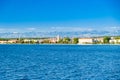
(59, 62)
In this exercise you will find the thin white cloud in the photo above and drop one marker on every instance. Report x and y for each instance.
(31, 29)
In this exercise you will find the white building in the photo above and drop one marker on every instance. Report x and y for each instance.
(114, 41)
(26, 40)
(12, 41)
(54, 39)
(3, 42)
(85, 40)
(58, 38)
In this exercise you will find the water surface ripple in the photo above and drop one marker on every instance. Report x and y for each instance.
(59, 62)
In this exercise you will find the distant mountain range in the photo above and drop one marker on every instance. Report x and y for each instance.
(91, 33)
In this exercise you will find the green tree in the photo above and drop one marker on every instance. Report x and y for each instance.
(106, 40)
(4, 39)
(60, 41)
(66, 40)
(75, 40)
(32, 41)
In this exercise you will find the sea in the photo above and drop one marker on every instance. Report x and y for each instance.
(59, 62)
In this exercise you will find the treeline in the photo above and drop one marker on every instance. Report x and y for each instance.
(68, 40)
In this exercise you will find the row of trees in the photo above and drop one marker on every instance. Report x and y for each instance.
(67, 40)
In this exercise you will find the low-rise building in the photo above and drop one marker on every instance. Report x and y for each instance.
(12, 41)
(40, 41)
(53, 40)
(3, 42)
(34, 40)
(118, 40)
(26, 40)
(115, 41)
(30, 40)
(86, 40)
(99, 39)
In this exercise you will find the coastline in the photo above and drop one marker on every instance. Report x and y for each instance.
(67, 44)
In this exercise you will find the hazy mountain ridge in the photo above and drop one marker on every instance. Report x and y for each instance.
(62, 34)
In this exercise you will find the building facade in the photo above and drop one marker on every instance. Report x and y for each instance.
(85, 40)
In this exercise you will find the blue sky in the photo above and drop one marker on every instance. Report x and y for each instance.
(39, 15)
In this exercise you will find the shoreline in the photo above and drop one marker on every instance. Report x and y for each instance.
(63, 44)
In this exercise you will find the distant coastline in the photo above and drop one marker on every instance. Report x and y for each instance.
(105, 40)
